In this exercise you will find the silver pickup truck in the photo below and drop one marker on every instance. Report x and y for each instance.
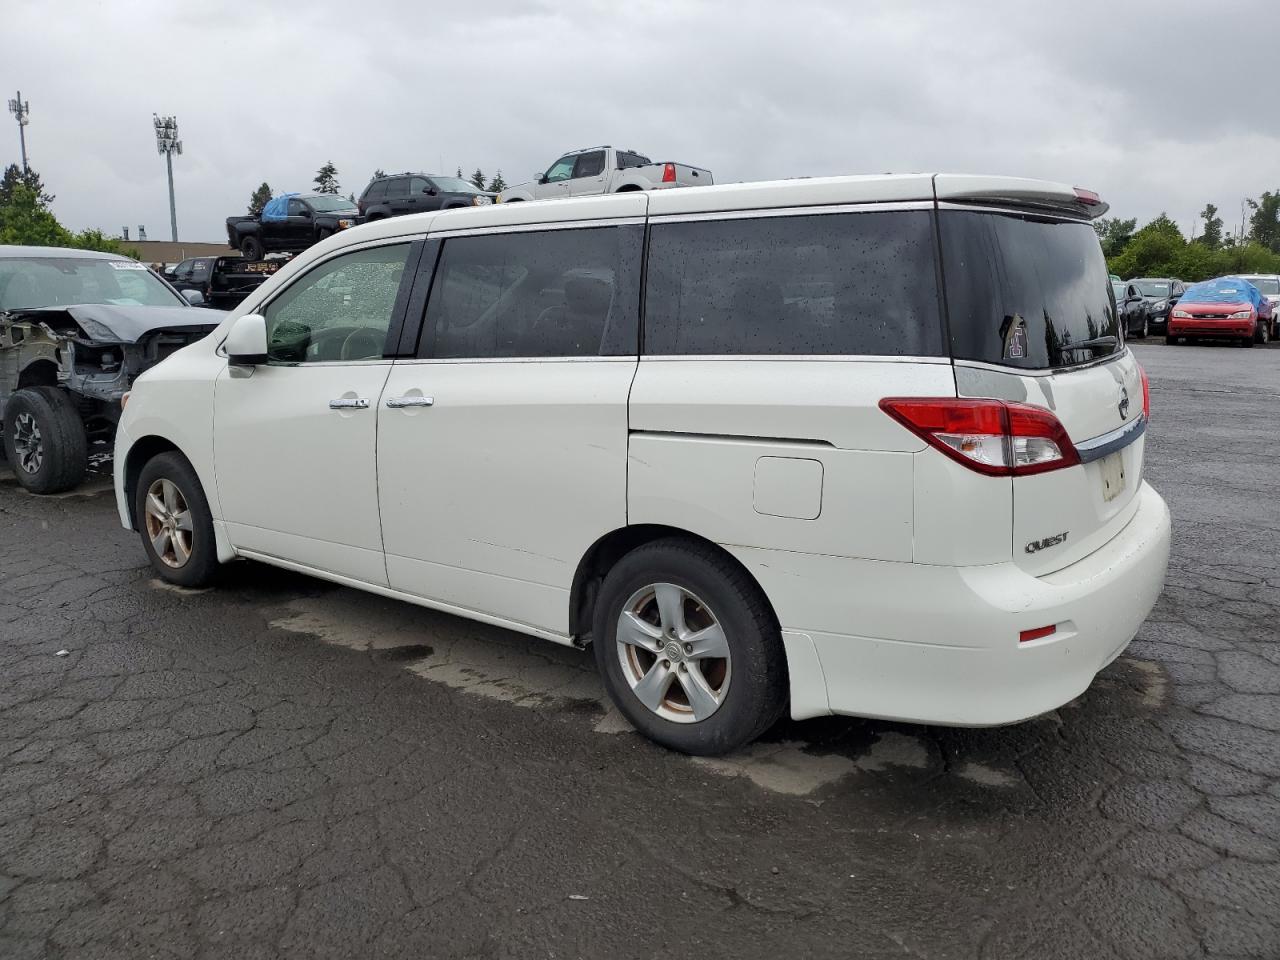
(605, 170)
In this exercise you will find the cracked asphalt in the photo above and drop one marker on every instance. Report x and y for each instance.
(281, 768)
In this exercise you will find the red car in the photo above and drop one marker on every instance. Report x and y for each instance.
(1228, 308)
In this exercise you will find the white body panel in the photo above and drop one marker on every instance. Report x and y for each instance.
(491, 496)
(297, 479)
(894, 571)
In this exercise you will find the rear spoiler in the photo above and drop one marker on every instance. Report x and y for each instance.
(1040, 194)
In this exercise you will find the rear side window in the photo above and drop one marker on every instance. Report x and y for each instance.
(627, 160)
(397, 189)
(1025, 291)
(376, 190)
(589, 165)
(200, 269)
(546, 293)
(854, 284)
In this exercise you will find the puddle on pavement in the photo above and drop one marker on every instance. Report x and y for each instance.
(794, 759)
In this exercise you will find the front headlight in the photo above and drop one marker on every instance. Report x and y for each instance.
(479, 200)
(1182, 314)
(1241, 315)
(343, 224)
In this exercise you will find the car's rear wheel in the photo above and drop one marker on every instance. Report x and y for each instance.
(172, 516)
(251, 248)
(44, 440)
(689, 649)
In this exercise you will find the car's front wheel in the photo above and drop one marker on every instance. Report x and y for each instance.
(44, 440)
(172, 515)
(1142, 331)
(689, 649)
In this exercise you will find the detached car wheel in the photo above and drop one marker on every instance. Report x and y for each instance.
(44, 440)
(688, 648)
(172, 516)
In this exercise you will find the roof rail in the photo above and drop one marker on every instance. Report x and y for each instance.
(603, 146)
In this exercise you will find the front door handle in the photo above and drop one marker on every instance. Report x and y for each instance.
(349, 403)
(397, 403)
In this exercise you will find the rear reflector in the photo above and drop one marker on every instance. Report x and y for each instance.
(1087, 197)
(1026, 636)
(995, 437)
(1146, 393)
(669, 173)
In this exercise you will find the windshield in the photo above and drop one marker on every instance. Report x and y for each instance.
(331, 204)
(1153, 288)
(1026, 291)
(1269, 285)
(27, 282)
(454, 185)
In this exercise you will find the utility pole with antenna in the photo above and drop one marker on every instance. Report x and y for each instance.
(21, 110)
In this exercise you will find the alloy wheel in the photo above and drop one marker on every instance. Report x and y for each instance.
(28, 443)
(674, 653)
(169, 524)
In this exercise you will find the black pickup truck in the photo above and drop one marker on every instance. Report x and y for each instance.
(222, 281)
(308, 219)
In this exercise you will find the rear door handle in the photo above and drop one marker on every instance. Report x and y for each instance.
(397, 403)
(349, 403)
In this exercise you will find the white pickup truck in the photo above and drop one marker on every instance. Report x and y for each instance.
(605, 170)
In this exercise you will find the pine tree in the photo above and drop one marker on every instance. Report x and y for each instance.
(497, 184)
(327, 179)
(259, 199)
(14, 177)
(378, 174)
(459, 173)
(477, 179)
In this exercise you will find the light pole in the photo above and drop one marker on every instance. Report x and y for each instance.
(21, 110)
(167, 143)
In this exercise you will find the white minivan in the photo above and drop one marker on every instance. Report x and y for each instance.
(860, 445)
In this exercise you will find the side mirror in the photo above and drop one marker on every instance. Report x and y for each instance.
(247, 342)
(193, 297)
(305, 213)
(1174, 299)
(430, 191)
(542, 178)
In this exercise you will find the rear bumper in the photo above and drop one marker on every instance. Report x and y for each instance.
(935, 644)
(1210, 328)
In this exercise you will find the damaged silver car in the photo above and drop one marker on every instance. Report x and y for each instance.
(76, 328)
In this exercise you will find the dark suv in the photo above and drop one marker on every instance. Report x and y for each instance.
(403, 193)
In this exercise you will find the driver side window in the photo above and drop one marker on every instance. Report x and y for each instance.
(339, 312)
(562, 169)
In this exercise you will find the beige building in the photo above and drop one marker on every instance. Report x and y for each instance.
(165, 251)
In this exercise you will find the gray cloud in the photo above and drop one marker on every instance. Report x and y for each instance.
(1121, 100)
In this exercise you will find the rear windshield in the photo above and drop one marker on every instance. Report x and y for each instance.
(1266, 284)
(1026, 291)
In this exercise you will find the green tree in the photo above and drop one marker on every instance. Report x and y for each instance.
(1264, 222)
(26, 219)
(459, 173)
(1212, 236)
(497, 184)
(1160, 250)
(258, 199)
(477, 179)
(378, 174)
(13, 177)
(327, 179)
(1114, 233)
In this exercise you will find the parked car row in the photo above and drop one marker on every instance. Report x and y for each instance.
(1244, 308)
(754, 444)
(292, 222)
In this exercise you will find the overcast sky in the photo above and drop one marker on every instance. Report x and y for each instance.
(1158, 106)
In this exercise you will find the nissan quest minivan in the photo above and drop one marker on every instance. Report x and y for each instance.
(861, 445)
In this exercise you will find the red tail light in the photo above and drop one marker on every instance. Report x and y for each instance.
(669, 173)
(995, 437)
(1146, 394)
(1087, 197)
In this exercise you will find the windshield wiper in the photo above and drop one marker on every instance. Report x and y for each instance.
(1093, 344)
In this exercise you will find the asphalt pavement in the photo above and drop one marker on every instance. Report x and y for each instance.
(279, 767)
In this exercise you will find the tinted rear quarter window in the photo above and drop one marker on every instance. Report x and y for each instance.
(376, 190)
(854, 284)
(1007, 273)
(542, 293)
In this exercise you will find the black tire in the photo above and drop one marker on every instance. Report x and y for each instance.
(1145, 329)
(201, 565)
(251, 248)
(59, 458)
(756, 690)
(1263, 334)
